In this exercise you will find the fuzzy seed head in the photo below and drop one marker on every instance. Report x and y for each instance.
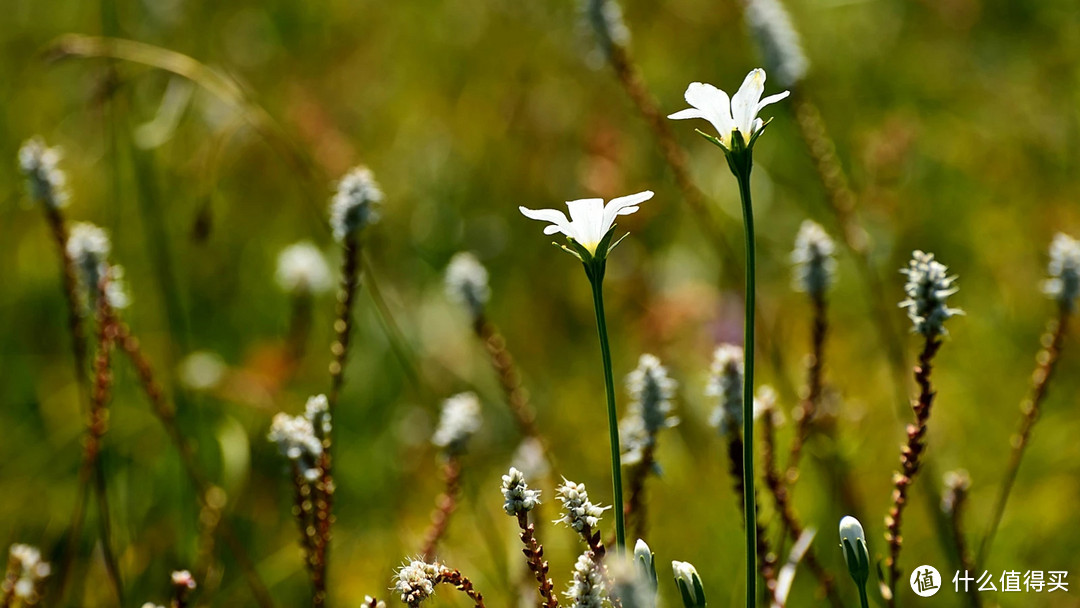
(415, 581)
(1064, 269)
(927, 288)
(302, 270)
(45, 181)
(814, 259)
(89, 247)
(467, 283)
(587, 588)
(957, 484)
(459, 421)
(579, 512)
(354, 204)
(651, 391)
(29, 571)
(517, 497)
(300, 438)
(778, 41)
(726, 387)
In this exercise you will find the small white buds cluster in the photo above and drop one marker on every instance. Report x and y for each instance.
(1064, 268)
(651, 391)
(605, 18)
(300, 438)
(518, 499)
(780, 46)
(726, 387)
(927, 288)
(459, 421)
(587, 588)
(27, 571)
(579, 512)
(814, 259)
(370, 602)
(89, 247)
(44, 179)
(415, 581)
(302, 270)
(353, 207)
(467, 283)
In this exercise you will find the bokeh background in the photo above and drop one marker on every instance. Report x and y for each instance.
(956, 119)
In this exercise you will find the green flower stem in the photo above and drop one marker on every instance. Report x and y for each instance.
(596, 277)
(862, 597)
(741, 163)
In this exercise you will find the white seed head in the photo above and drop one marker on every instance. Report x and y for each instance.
(957, 484)
(814, 259)
(29, 571)
(726, 387)
(927, 288)
(184, 579)
(459, 421)
(517, 497)
(605, 19)
(89, 247)
(44, 179)
(651, 391)
(578, 511)
(302, 270)
(467, 283)
(587, 588)
(354, 204)
(296, 440)
(780, 46)
(1064, 269)
(415, 581)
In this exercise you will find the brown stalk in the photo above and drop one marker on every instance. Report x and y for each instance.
(339, 350)
(445, 505)
(534, 555)
(954, 503)
(807, 409)
(462, 584)
(1045, 364)
(910, 460)
(636, 510)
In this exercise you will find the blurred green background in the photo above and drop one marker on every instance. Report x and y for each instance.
(959, 123)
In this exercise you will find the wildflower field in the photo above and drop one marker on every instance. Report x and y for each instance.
(285, 325)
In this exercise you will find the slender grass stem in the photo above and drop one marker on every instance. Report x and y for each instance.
(749, 507)
(863, 601)
(597, 279)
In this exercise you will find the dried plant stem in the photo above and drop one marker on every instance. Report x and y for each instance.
(11, 576)
(792, 526)
(59, 231)
(807, 409)
(339, 350)
(534, 555)
(462, 584)
(165, 414)
(910, 459)
(636, 508)
(958, 501)
(629, 76)
(1045, 364)
(444, 507)
(323, 522)
(766, 560)
(304, 514)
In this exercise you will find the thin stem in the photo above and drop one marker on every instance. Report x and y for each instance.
(865, 603)
(445, 506)
(809, 405)
(597, 280)
(534, 555)
(1046, 363)
(749, 508)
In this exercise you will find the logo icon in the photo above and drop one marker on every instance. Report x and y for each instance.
(925, 581)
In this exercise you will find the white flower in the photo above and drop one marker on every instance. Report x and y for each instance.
(590, 219)
(814, 259)
(688, 581)
(353, 205)
(416, 580)
(460, 419)
(579, 511)
(851, 534)
(44, 179)
(302, 269)
(927, 288)
(739, 113)
(1064, 269)
(467, 282)
(650, 408)
(299, 438)
(88, 246)
(517, 496)
(587, 588)
(29, 569)
(726, 387)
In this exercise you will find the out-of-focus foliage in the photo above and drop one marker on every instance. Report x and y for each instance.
(957, 119)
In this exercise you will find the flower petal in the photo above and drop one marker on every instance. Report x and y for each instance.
(624, 205)
(556, 217)
(687, 113)
(772, 99)
(744, 104)
(586, 217)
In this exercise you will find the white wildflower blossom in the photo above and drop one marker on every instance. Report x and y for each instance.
(459, 421)
(726, 387)
(579, 512)
(89, 247)
(467, 282)
(28, 570)
(1064, 269)
(353, 206)
(780, 46)
(730, 115)
(590, 220)
(415, 581)
(517, 497)
(44, 179)
(587, 588)
(302, 270)
(299, 438)
(814, 259)
(927, 288)
(856, 551)
(651, 391)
